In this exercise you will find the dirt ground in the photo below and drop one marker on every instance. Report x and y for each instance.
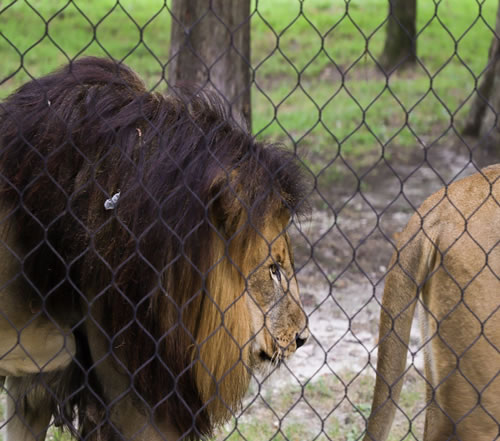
(342, 252)
(342, 255)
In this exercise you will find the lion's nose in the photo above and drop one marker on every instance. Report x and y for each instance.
(299, 341)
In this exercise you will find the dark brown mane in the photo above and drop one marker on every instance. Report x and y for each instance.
(74, 138)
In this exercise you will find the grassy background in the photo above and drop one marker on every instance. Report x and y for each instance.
(317, 84)
(317, 88)
(330, 408)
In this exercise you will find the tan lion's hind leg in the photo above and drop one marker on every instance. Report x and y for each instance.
(462, 367)
(28, 412)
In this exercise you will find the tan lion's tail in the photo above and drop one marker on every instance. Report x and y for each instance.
(407, 274)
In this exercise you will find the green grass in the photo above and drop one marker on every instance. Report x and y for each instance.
(40, 36)
(326, 408)
(317, 85)
(363, 100)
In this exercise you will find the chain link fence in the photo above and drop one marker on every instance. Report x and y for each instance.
(168, 275)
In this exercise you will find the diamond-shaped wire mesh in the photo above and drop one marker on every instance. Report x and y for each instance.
(199, 208)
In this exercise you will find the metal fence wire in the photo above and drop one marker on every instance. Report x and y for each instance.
(199, 204)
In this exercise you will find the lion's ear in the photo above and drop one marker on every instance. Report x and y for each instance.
(225, 208)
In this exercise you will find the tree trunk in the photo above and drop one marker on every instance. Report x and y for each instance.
(210, 47)
(400, 49)
(482, 117)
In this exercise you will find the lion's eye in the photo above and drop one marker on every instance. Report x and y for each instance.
(275, 271)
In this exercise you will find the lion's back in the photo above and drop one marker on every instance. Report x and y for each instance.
(454, 239)
(469, 206)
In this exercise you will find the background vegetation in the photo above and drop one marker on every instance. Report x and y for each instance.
(317, 83)
(317, 88)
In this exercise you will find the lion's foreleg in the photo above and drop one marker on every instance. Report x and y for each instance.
(28, 412)
(39, 346)
(123, 414)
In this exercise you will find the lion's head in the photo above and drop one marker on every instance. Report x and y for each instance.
(191, 275)
(254, 300)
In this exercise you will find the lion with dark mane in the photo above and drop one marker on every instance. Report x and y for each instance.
(143, 319)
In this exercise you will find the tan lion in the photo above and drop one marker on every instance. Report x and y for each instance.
(146, 266)
(448, 263)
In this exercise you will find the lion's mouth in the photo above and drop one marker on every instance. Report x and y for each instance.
(264, 357)
(275, 360)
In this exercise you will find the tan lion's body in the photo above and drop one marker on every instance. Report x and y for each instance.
(448, 263)
(144, 322)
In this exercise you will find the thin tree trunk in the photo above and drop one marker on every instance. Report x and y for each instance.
(481, 120)
(400, 49)
(210, 47)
